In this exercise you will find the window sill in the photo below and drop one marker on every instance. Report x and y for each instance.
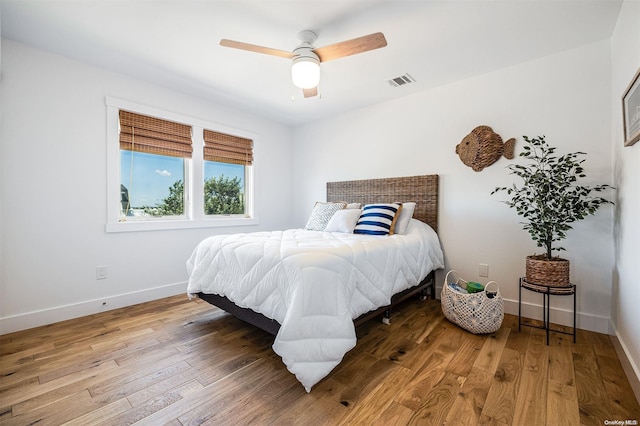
(163, 225)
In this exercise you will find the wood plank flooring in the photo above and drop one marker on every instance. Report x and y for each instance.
(181, 362)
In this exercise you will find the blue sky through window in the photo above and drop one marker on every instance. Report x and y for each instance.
(153, 175)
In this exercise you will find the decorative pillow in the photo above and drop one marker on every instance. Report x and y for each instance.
(378, 219)
(343, 221)
(321, 214)
(405, 217)
(354, 206)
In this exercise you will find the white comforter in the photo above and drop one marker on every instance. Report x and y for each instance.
(313, 283)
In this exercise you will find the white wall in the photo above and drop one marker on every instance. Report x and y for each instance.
(53, 179)
(626, 291)
(54, 191)
(565, 97)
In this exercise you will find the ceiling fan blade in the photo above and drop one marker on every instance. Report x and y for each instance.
(255, 48)
(310, 93)
(351, 47)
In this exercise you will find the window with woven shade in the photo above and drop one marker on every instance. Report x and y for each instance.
(163, 174)
(152, 154)
(226, 158)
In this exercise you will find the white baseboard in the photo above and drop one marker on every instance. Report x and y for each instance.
(584, 321)
(61, 313)
(631, 369)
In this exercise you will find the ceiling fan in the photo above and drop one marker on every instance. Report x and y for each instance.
(305, 67)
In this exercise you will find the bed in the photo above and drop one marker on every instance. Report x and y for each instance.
(311, 288)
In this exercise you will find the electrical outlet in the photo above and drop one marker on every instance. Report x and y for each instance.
(101, 272)
(483, 270)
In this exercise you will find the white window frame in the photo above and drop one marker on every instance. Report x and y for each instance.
(194, 216)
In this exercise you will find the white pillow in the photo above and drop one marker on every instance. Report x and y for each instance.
(354, 206)
(321, 214)
(343, 221)
(405, 217)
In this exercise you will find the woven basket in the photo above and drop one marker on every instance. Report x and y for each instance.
(553, 273)
(475, 312)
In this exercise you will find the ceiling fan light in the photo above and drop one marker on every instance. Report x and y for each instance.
(305, 72)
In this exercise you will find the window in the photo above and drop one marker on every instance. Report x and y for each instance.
(152, 166)
(225, 160)
(167, 171)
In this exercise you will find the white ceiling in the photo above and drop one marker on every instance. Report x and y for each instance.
(175, 43)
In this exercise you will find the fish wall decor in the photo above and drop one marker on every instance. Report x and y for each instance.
(483, 147)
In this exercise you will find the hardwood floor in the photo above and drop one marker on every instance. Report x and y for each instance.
(180, 362)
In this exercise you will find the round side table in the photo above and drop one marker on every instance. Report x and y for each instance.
(547, 291)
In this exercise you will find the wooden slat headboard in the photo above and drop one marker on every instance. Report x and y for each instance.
(423, 190)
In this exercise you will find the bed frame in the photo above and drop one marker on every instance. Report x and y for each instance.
(423, 190)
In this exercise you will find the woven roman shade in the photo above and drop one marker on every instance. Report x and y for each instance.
(142, 133)
(225, 148)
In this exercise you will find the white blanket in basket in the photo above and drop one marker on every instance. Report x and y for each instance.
(313, 283)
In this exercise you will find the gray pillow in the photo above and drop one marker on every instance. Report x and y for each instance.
(321, 214)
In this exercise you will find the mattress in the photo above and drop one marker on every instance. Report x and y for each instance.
(313, 283)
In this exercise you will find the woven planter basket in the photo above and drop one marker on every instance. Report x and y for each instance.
(475, 312)
(553, 273)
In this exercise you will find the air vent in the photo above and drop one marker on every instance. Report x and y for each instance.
(402, 80)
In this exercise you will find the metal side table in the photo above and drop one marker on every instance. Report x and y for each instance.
(547, 291)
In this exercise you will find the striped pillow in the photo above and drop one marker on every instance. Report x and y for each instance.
(378, 219)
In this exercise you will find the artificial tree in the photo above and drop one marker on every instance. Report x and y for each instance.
(550, 198)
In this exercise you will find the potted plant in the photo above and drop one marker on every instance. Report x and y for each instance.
(550, 199)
